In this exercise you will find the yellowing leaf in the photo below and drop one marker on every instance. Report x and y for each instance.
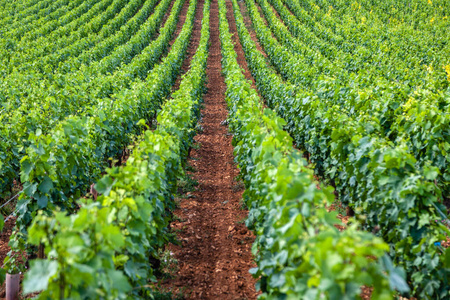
(130, 203)
(447, 70)
(314, 281)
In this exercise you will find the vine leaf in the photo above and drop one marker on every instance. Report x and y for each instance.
(37, 278)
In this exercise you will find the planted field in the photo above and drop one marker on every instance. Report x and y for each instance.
(198, 149)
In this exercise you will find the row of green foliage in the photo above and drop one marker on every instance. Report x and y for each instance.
(45, 16)
(61, 164)
(379, 179)
(394, 50)
(100, 14)
(71, 13)
(45, 102)
(417, 21)
(423, 82)
(15, 10)
(15, 15)
(416, 14)
(299, 252)
(418, 122)
(413, 106)
(139, 16)
(102, 251)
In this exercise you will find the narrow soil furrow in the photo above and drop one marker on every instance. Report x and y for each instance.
(180, 23)
(238, 47)
(166, 16)
(193, 44)
(215, 252)
(4, 248)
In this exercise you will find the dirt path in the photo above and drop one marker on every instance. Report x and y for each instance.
(195, 38)
(215, 255)
(180, 23)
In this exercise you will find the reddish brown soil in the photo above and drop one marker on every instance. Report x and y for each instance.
(237, 44)
(195, 39)
(215, 255)
(180, 23)
(4, 238)
(4, 248)
(166, 16)
(238, 48)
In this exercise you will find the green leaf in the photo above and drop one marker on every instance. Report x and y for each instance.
(29, 188)
(430, 173)
(26, 167)
(397, 280)
(277, 280)
(119, 281)
(36, 279)
(46, 185)
(104, 185)
(42, 201)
